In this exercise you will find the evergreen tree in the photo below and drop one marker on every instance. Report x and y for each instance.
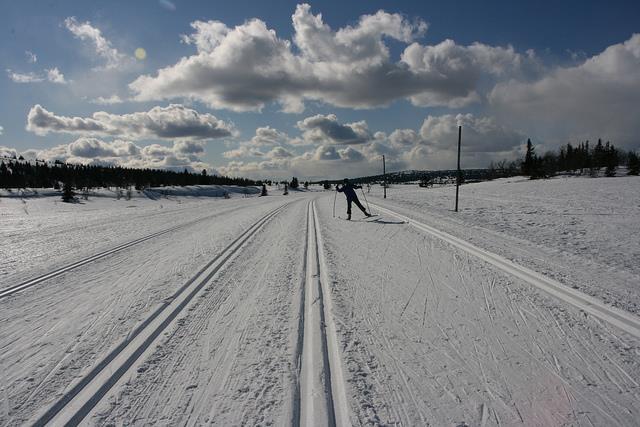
(294, 183)
(203, 177)
(633, 163)
(264, 190)
(599, 155)
(611, 156)
(67, 192)
(529, 158)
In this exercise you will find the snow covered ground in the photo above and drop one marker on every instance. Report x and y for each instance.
(582, 231)
(269, 311)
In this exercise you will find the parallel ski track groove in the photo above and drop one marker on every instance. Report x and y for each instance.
(339, 392)
(97, 391)
(11, 290)
(614, 316)
(296, 415)
(331, 378)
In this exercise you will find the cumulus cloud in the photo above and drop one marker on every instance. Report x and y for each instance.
(454, 72)
(404, 138)
(326, 129)
(245, 67)
(593, 99)
(432, 146)
(92, 147)
(243, 151)
(86, 32)
(435, 145)
(52, 75)
(264, 137)
(279, 153)
(55, 76)
(171, 122)
(324, 161)
(480, 134)
(241, 68)
(86, 150)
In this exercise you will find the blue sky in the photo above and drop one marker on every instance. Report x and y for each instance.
(252, 91)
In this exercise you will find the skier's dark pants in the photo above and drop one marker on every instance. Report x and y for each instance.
(358, 204)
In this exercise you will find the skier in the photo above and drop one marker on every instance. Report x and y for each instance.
(349, 191)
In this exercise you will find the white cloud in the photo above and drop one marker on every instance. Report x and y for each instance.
(8, 152)
(85, 150)
(479, 134)
(55, 76)
(404, 138)
(92, 147)
(243, 151)
(455, 72)
(241, 69)
(279, 153)
(324, 161)
(267, 135)
(171, 122)
(264, 137)
(103, 48)
(111, 100)
(433, 146)
(24, 78)
(594, 99)
(326, 129)
(248, 66)
(32, 58)
(52, 75)
(1, 130)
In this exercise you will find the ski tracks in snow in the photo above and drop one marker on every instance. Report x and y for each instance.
(619, 318)
(80, 398)
(14, 289)
(470, 344)
(322, 395)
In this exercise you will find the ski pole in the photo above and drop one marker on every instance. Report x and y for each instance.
(365, 200)
(334, 203)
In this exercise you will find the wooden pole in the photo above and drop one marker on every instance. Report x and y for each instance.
(384, 173)
(459, 175)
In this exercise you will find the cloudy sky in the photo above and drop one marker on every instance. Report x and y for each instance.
(279, 88)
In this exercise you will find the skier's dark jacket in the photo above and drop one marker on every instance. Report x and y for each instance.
(349, 191)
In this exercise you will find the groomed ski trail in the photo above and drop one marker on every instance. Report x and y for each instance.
(80, 399)
(322, 393)
(619, 318)
(11, 290)
(431, 334)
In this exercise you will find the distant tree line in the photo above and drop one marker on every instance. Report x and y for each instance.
(582, 158)
(16, 173)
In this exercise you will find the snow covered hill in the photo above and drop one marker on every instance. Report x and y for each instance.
(520, 309)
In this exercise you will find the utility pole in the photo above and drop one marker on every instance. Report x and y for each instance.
(384, 173)
(459, 175)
